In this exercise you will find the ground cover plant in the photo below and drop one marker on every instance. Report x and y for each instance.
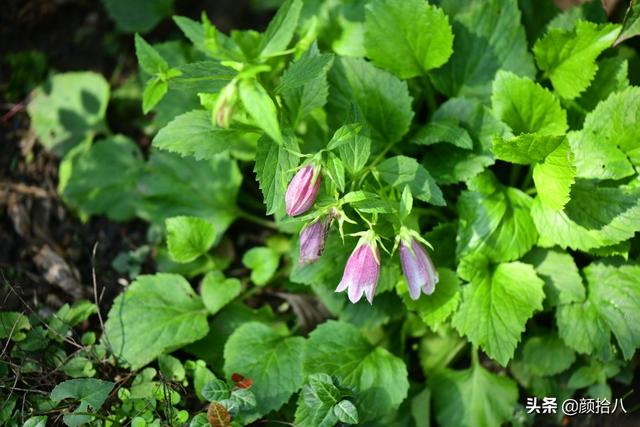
(371, 212)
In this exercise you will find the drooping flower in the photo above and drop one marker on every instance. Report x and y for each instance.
(312, 239)
(362, 270)
(417, 266)
(302, 190)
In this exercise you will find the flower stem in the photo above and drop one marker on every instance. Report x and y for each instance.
(257, 220)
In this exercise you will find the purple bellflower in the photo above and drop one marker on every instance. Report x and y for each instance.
(362, 270)
(416, 264)
(302, 190)
(312, 239)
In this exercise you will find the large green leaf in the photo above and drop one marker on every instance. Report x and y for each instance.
(281, 29)
(90, 392)
(421, 38)
(273, 360)
(547, 355)
(338, 349)
(596, 216)
(612, 307)
(473, 397)
(494, 220)
(496, 305)
(562, 281)
(381, 98)
(568, 57)
(68, 109)
(273, 168)
(155, 314)
(488, 37)
(189, 237)
(401, 171)
(258, 103)
(193, 134)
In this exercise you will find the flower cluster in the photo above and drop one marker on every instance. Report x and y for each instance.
(362, 270)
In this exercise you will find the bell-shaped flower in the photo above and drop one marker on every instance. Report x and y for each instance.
(417, 266)
(312, 239)
(362, 270)
(302, 190)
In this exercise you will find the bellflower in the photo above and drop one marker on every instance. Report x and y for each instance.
(302, 190)
(312, 239)
(362, 270)
(416, 265)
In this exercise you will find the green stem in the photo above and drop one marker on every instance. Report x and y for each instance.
(257, 220)
(527, 179)
(474, 356)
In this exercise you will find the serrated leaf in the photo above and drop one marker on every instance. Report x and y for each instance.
(401, 171)
(568, 57)
(494, 221)
(496, 306)
(154, 90)
(605, 144)
(488, 37)
(281, 28)
(149, 59)
(443, 131)
(202, 76)
(340, 350)
(612, 76)
(547, 355)
(335, 169)
(617, 217)
(562, 281)
(273, 167)
(261, 108)
(273, 361)
(555, 176)
(381, 98)
(355, 152)
(305, 70)
(193, 134)
(612, 307)
(420, 41)
(189, 237)
(631, 24)
(472, 397)
(154, 314)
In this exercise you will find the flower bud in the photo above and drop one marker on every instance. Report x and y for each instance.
(312, 240)
(362, 270)
(225, 106)
(302, 191)
(417, 268)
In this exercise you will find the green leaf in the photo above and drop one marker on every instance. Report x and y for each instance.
(281, 29)
(154, 91)
(604, 147)
(305, 70)
(382, 99)
(202, 76)
(547, 355)
(435, 309)
(171, 367)
(488, 37)
(339, 349)
(344, 135)
(526, 148)
(261, 108)
(355, 152)
(90, 392)
(596, 216)
(631, 24)
(273, 167)
(335, 169)
(174, 186)
(494, 220)
(444, 131)
(400, 171)
(193, 134)
(94, 188)
(421, 38)
(562, 281)
(153, 315)
(555, 176)
(472, 397)
(346, 412)
(612, 76)
(496, 305)
(13, 325)
(139, 16)
(189, 237)
(68, 109)
(272, 360)
(568, 57)
(526, 106)
(612, 307)
(149, 59)
(263, 263)
(217, 291)
(215, 390)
